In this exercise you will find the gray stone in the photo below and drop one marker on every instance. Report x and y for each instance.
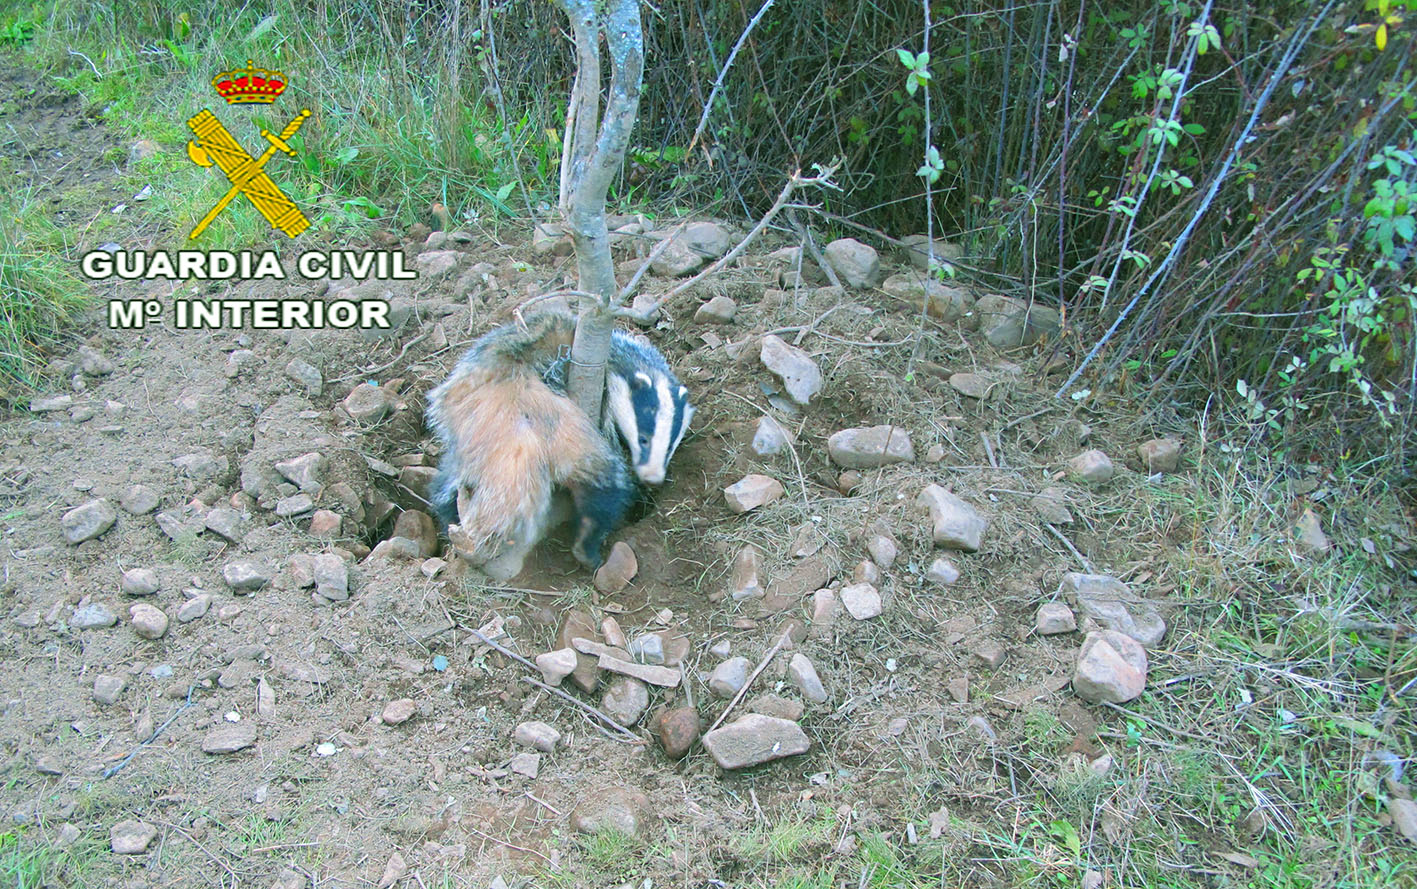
(88, 521)
(94, 363)
(1111, 667)
(131, 837)
(229, 737)
(883, 549)
(399, 711)
(106, 689)
(51, 403)
(307, 375)
(648, 649)
(139, 582)
(180, 522)
(857, 264)
(1112, 604)
(1309, 533)
(667, 677)
(620, 810)
(368, 403)
(1008, 323)
(331, 577)
(225, 522)
(866, 571)
(539, 735)
(803, 675)
(1160, 454)
(526, 764)
(1054, 618)
(825, 607)
(1051, 508)
(625, 700)
(550, 239)
(946, 304)
(800, 376)
(419, 527)
(942, 571)
(777, 707)
(755, 739)
(729, 677)
(246, 575)
(294, 505)
(194, 608)
(306, 472)
(1092, 467)
(861, 601)
(751, 492)
(770, 437)
(868, 447)
(556, 665)
(719, 310)
(202, 466)
(746, 581)
(956, 524)
(148, 621)
(990, 652)
(139, 500)
(619, 568)
(971, 385)
(436, 263)
(917, 250)
(92, 616)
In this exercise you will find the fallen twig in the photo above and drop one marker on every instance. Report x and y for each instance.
(113, 770)
(1086, 565)
(749, 684)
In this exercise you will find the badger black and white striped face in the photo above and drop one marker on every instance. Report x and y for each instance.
(652, 411)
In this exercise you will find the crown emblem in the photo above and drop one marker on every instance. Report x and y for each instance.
(249, 84)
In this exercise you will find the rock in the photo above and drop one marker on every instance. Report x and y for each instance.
(1160, 454)
(1092, 467)
(202, 466)
(325, 524)
(1112, 604)
(394, 870)
(751, 492)
(619, 568)
(368, 403)
(550, 239)
(139, 500)
(556, 665)
(579, 625)
(306, 472)
(958, 687)
(1049, 504)
(1404, 817)
(92, 616)
(106, 689)
(946, 304)
(690, 248)
(825, 607)
(848, 482)
(615, 809)
(667, 677)
(229, 737)
(436, 263)
(678, 730)
(140, 151)
(68, 835)
(729, 677)
(307, 375)
(431, 568)
(295, 505)
(180, 523)
(917, 250)
(131, 837)
(148, 621)
(861, 601)
(883, 549)
(226, 522)
(981, 728)
(866, 571)
(419, 527)
(800, 376)
(526, 764)
(302, 570)
(957, 524)
(246, 575)
(1054, 618)
(648, 649)
(857, 264)
(971, 385)
(942, 571)
(1111, 667)
(745, 582)
(88, 521)
(804, 676)
(868, 447)
(777, 707)
(770, 437)
(1008, 323)
(94, 363)
(719, 310)
(139, 582)
(1309, 533)
(539, 735)
(990, 653)
(331, 577)
(398, 712)
(625, 700)
(754, 739)
(194, 608)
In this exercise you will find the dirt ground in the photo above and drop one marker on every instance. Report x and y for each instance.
(328, 792)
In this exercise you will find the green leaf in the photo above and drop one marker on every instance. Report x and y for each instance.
(907, 58)
(1194, 129)
(505, 190)
(911, 85)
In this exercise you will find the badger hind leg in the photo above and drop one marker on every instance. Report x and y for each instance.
(601, 505)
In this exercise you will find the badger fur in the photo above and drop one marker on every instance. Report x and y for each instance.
(512, 440)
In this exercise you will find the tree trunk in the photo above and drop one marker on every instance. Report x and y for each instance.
(594, 152)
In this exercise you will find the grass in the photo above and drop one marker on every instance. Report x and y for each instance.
(38, 288)
(29, 861)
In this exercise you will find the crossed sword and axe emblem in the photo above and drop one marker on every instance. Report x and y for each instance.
(214, 144)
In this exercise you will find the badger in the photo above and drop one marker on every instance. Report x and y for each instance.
(512, 441)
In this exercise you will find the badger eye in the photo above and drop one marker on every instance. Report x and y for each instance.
(644, 441)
